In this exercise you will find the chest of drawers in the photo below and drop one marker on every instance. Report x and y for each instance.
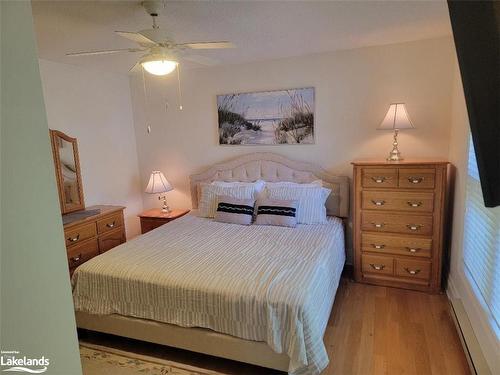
(91, 232)
(399, 223)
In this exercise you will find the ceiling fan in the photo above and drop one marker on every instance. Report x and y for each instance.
(162, 52)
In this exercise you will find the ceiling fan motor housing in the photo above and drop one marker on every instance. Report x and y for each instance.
(159, 53)
(153, 7)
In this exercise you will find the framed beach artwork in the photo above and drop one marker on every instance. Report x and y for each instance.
(267, 118)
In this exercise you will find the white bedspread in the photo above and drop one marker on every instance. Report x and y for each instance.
(262, 283)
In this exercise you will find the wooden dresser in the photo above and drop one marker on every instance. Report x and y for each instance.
(399, 223)
(91, 232)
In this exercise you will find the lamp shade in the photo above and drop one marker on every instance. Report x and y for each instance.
(158, 183)
(396, 118)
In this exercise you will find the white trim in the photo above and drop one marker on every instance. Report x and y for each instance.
(458, 287)
(452, 291)
(468, 339)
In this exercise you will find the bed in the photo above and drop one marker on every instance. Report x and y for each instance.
(256, 294)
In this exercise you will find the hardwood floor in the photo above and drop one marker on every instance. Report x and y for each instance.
(380, 330)
(372, 330)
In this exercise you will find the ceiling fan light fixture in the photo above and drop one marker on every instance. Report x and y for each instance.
(159, 67)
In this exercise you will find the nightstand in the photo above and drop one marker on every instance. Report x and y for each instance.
(154, 218)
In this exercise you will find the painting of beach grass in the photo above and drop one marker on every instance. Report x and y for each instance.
(267, 118)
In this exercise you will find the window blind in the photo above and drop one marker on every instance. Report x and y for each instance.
(482, 245)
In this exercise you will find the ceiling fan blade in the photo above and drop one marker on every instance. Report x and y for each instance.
(208, 45)
(202, 60)
(135, 68)
(104, 52)
(136, 37)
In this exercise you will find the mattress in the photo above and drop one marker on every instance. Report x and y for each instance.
(262, 283)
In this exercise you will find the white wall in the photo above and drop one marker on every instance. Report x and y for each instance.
(458, 284)
(95, 107)
(36, 309)
(353, 92)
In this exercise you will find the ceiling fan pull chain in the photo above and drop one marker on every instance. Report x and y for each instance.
(179, 86)
(148, 126)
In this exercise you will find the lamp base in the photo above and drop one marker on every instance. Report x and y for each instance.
(165, 208)
(395, 155)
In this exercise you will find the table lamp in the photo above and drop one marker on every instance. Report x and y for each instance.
(158, 184)
(396, 119)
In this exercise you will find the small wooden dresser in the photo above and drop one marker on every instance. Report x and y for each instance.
(91, 232)
(399, 223)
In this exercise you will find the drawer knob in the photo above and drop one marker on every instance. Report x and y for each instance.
(378, 203)
(375, 246)
(414, 227)
(76, 259)
(74, 239)
(377, 267)
(415, 180)
(379, 179)
(413, 249)
(414, 204)
(111, 225)
(378, 225)
(412, 272)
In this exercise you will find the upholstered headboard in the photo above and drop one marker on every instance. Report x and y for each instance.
(272, 167)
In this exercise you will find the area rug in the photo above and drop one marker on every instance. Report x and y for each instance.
(102, 360)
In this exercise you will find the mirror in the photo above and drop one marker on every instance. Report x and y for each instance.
(67, 166)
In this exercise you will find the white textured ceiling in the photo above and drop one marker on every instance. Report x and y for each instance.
(262, 30)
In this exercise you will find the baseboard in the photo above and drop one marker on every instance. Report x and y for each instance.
(470, 344)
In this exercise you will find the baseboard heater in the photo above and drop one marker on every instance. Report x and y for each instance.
(472, 349)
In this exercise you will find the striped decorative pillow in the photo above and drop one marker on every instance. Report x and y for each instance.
(209, 193)
(234, 211)
(311, 201)
(276, 212)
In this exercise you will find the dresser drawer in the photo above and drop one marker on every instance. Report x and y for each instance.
(396, 223)
(109, 223)
(417, 178)
(397, 201)
(383, 265)
(82, 252)
(383, 177)
(111, 239)
(415, 269)
(399, 245)
(79, 234)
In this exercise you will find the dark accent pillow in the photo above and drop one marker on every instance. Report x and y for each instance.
(234, 211)
(281, 213)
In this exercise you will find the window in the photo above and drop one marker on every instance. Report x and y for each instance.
(482, 245)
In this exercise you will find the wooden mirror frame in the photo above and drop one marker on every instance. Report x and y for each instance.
(55, 135)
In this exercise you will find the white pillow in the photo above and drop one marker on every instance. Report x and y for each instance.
(209, 192)
(311, 201)
(289, 183)
(259, 185)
